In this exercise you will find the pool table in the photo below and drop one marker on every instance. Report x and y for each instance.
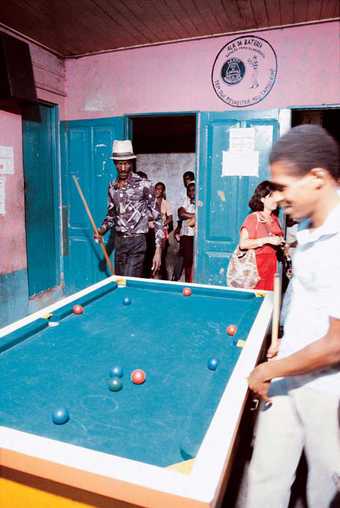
(166, 442)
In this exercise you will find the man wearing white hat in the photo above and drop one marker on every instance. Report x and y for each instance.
(131, 201)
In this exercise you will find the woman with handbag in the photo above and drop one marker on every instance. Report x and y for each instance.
(261, 232)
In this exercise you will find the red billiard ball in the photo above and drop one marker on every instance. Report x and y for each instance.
(187, 292)
(138, 376)
(231, 329)
(77, 309)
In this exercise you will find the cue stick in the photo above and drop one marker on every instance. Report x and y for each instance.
(94, 227)
(276, 311)
(275, 329)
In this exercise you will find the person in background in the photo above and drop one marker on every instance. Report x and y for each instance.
(166, 212)
(188, 177)
(131, 201)
(187, 215)
(300, 388)
(143, 175)
(164, 206)
(261, 231)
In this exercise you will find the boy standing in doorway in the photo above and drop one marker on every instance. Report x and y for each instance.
(301, 387)
(188, 177)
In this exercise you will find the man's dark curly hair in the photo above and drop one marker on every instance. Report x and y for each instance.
(262, 190)
(306, 147)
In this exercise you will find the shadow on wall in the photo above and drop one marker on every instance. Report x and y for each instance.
(13, 296)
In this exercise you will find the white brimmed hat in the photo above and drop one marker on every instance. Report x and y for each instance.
(122, 150)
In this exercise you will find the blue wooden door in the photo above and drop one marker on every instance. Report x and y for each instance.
(223, 200)
(41, 201)
(85, 152)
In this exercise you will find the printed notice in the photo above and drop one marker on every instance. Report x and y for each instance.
(6, 160)
(2, 195)
(240, 163)
(242, 139)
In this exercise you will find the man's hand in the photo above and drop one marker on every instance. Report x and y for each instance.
(177, 233)
(259, 383)
(98, 236)
(156, 262)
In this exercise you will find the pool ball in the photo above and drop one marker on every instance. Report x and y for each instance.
(187, 292)
(116, 371)
(77, 309)
(231, 329)
(138, 376)
(212, 363)
(115, 384)
(60, 416)
(126, 301)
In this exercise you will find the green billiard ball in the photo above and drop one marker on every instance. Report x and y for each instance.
(115, 384)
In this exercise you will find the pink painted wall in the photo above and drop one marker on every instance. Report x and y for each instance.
(49, 76)
(177, 77)
(12, 225)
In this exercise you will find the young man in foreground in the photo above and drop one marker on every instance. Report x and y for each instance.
(301, 387)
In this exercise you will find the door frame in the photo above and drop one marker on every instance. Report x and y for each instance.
(129, 133)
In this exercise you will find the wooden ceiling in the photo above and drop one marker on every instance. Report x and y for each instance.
(76, 27)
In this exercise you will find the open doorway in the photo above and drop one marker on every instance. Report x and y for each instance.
(166, 149)
(329, 118)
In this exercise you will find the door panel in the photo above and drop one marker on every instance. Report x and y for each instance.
(86, 150)
(222, 201)
(41, 201)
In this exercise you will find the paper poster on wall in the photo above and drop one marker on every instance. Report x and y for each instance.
(242, 139)
(6, 160)
(240, 163)
(2, 195)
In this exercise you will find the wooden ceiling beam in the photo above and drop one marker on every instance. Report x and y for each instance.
(71, 27)
(274, 12)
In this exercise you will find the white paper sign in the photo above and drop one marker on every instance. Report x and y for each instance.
(242, 139)
(6, 160)
(2, 195)
(240, 163)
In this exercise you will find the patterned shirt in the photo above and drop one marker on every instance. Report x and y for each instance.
(130, 207)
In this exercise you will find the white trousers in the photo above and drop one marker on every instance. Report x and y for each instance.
(298, 419)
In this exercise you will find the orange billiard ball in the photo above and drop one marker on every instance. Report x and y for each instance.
(231, 329)
(187, 292)
(138, 376)
(77, 309)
